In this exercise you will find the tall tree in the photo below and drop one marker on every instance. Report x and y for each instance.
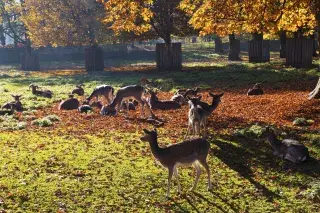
(65, 22)
(156, 18)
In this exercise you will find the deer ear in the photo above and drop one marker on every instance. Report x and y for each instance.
(199, 97)
(211, 94)
(155, 130)
(146, 131)
(221, 95)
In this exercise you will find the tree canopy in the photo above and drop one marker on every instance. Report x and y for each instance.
(65, 22)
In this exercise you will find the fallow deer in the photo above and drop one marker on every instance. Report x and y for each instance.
(194, 118)
(191, 92)
(185, 153)
(180, 99)
(103, 90)
(16, 104)
(155, 103)
(205, 110)
(69, 104)
(134, 92)
(288, 149)
(46, 93)
(79, 90)
(256, 90)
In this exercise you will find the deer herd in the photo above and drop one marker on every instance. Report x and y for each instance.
(190, 151)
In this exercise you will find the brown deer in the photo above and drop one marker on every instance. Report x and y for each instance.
(16, 104)
(191, 92)
(205, 110)
(134, 92)
(130, 104)
(288, 149)
(103, 90)
(180, 99)
(45, 93)
(185, 153)
(69, 104)
(155, 103)
(79, 90)
(256, 90)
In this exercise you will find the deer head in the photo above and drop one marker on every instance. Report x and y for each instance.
(16, 97)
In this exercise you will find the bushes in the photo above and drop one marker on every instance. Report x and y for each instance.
(9, 122)
(46, 121)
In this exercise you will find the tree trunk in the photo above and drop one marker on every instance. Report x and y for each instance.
(259, 50)
(218, 45)
(94, 59)
(234, 48)
(314, 41)
(283, 40)
(315, 93)
(29, 61)
(169, 56)
(194, 39)
(2, 36)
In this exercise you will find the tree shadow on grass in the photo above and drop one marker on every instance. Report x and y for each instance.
(239, 159)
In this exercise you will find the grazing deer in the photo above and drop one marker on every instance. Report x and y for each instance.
(163, 105)
(134, 92)
(256, 90)
(45, 93)
(289, 149)
(69, 104)
(79, 90)
(103, 90)
(185, 153)
(194, 118)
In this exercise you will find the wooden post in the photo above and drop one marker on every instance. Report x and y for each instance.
(259, 51)
(283, 39)
(168, 57)
(299, 52)
(94, 59)
(218, 45)
(234, 48)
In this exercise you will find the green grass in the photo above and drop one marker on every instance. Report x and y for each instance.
(50, 170)
(115, 172)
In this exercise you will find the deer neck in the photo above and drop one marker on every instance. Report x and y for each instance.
(155, 149)
(214, 105)
(116, 101)
(274, 142)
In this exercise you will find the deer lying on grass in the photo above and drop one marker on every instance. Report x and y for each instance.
(185, 153)
(16, 104)
(44, 93)
(134, 92)
(155, 103)
(180, 99)
(103, 90)
(7, 111)
(256, 90)
(69, 104)
(288, 149)
(85, 108)
(79, 90)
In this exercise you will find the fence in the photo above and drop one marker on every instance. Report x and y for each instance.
(259, 51)
(299, 52)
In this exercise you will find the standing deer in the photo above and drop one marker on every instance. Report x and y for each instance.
(288, 149)
(194, 117)
(205, 110)
(134, 92)
(102, 90)
(185, 153)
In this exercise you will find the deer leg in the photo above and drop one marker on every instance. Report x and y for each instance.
(188, 130)
(175, 172)
(169, 180)
(205, 165)
(198, 169)
(127, 105)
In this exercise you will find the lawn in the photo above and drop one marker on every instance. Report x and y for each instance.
(90, 163)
